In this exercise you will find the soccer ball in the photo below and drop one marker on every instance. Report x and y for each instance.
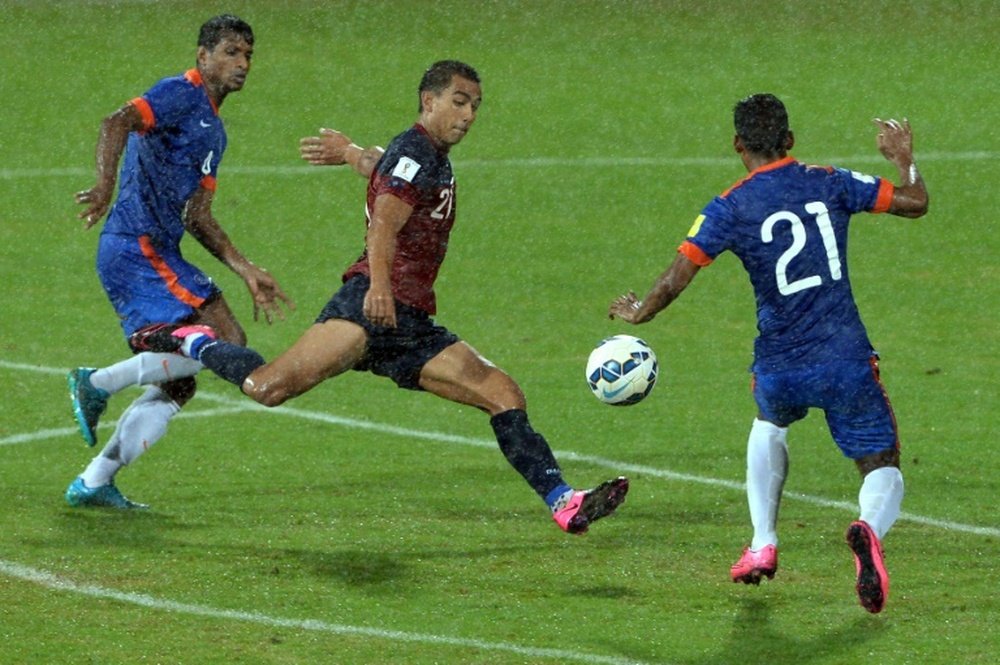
(621, 370)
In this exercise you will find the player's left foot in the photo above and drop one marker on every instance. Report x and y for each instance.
(78, 494)
(89, 402)
(873, 580)
(588, 506)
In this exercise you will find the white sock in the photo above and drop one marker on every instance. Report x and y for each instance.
(767, 467)
(143, 369)
(143, 424)
(880, 497)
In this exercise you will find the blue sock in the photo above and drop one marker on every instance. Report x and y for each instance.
(231, 362)
(193, 345)
(555, 497)
(527, 451)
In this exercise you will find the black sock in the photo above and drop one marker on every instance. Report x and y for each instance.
(231, 362)
(527, 451)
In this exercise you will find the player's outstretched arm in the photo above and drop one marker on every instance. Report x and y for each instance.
(665, 290)
(333, 148)
(110, 145)
(264, 289)
(895, 142)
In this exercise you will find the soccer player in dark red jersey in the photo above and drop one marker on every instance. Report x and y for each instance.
(380, 319)
(787, 223)
(173, 140)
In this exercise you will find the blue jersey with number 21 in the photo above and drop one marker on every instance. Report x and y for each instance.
(787, 222)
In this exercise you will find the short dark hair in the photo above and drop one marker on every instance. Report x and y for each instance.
(438, 77)
(214, 29)
(761, 122)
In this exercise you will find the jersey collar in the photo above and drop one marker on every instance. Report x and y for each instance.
(194, 76)
(770, 166)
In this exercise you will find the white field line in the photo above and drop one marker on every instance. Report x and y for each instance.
(236, 404)
(296, 169)
(51, 581)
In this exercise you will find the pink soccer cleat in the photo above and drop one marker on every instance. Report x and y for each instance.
(752, 566)
(589, 506)
(873, 580)
(166, 337)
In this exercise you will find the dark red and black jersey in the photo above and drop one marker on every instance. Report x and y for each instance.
(416, 172)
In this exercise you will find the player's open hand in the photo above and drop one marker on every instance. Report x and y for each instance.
(97, 199)
(327, 149)
(895, 139)
(625, 307)
(267, 295)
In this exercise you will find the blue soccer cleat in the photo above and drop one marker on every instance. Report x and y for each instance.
(89, 403)
(78, 494)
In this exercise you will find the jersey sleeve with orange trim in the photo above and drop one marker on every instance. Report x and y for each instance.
(695, 253)
(146, 111)
(886, 190)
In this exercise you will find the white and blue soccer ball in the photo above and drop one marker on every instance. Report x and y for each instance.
(622, 370)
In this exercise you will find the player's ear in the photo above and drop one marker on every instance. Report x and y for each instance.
(738, 144)
(202, 55)
(789, 141)
(426, 100)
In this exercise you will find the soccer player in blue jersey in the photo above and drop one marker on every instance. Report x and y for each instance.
(787, 223)
(380, 319)
(173, 140)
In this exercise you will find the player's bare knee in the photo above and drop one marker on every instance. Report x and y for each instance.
(503, 393)
(265, 392)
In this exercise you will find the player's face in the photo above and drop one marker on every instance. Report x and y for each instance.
(448, 116)
(225, 67)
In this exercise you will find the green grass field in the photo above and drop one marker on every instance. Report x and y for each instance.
(364, 524)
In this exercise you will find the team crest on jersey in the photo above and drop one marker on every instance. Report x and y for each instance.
(406, 169)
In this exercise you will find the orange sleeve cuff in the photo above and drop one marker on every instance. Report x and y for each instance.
(694, 253)
(209, 183)
(146, 111)
(884, 199)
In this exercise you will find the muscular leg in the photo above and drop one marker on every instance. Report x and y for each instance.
(217, 314)
(145, 421)
(323, 351)
(461, 375)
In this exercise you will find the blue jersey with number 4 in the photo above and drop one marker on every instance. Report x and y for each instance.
(787, 222)
(177, 151)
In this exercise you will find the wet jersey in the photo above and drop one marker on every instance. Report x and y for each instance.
(413, 170)
(177, 151)
(787, 222)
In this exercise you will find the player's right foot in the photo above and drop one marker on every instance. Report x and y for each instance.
(89, 402)
(873, 580)
(78, 494)
(588, 506)
(165, 337)
(752, 566)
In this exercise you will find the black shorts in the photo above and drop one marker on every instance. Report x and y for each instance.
(399, 353)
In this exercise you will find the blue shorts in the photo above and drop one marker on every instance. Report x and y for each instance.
(147, 283)
(399, 353)
(849, 392)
